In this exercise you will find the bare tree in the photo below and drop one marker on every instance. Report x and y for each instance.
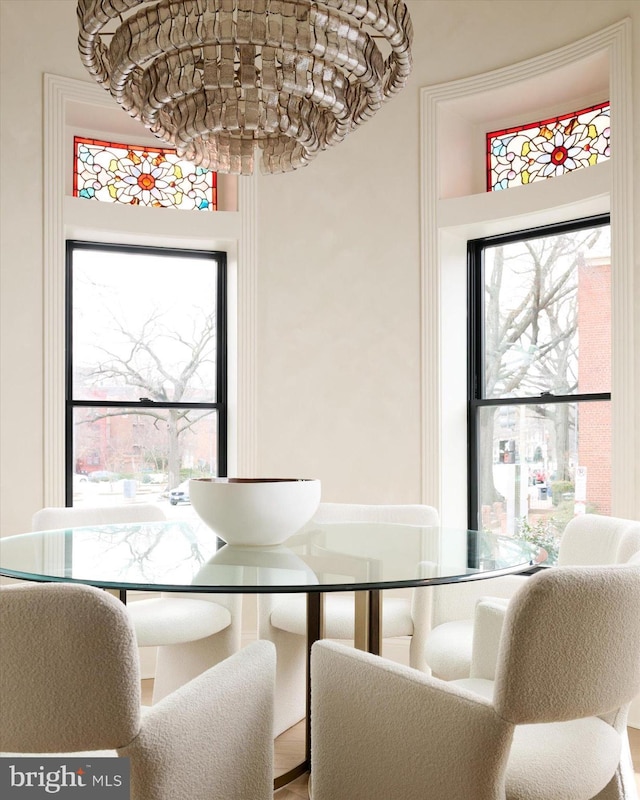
(143, 368)
(530, 325)
(157, 360)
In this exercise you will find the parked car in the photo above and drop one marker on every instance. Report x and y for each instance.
(180, 494)
(104, 475)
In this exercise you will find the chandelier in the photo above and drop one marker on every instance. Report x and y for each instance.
(218, 79)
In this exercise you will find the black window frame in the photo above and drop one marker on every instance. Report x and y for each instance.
(220, 405)
(475, 348)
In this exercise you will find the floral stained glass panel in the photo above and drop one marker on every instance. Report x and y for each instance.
(555, 146)
(144, 176)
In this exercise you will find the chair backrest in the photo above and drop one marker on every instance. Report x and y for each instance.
(457, 601)
(407, 514)
(390, 514)
(592, 539)
(69, 670)
(588, 540)
(570, 645)
(52, 518)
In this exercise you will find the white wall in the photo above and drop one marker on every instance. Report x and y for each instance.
(339, 382)
(338, 256)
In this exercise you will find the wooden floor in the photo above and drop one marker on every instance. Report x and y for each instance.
(289, 748)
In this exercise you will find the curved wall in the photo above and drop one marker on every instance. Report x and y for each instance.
(338, 257)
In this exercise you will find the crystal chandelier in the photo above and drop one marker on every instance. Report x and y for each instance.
(217, 79)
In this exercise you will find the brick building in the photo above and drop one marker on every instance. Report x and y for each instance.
(594, 375)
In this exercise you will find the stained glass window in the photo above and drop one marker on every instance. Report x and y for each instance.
(536, 151)
(144, 176)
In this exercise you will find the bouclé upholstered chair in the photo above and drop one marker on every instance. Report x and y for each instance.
(548, 723)
(70, 683)
(191, 631)
(282, 618)
(590, 539)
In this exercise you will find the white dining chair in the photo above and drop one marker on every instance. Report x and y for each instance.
(70, 686)
(543, 719)
(282, 619)
(589, 539)
(191, 631)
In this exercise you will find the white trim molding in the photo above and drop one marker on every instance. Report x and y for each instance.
(610, 47)
(248, 330)
(234, 232)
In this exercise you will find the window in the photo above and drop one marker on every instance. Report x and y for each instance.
(146, 404)
(146, 176)
(540, 377)
(546, 149)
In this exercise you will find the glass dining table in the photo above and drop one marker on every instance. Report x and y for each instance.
(186, 556)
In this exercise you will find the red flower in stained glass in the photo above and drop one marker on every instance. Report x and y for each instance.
(146, 181)
(559, 155)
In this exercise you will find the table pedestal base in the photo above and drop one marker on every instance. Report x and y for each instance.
(367, 636)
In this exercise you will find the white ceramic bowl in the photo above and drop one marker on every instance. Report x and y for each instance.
(255, 511)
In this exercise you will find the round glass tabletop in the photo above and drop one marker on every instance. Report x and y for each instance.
(188, 557)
